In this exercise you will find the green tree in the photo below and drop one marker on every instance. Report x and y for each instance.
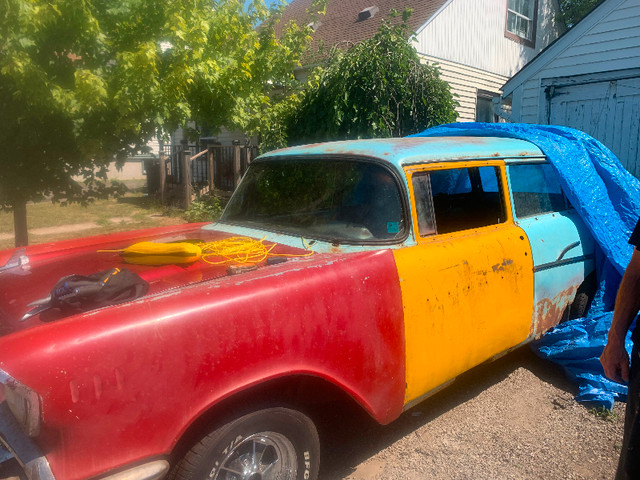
(572, 11)
(85, 81)
(378, 88)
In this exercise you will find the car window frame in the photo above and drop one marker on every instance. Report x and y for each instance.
(397, 178)
(542, 161)
(505, 196)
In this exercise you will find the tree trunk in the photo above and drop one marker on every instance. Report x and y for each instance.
(20, 224)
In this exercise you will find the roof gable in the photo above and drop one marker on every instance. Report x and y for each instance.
(344, 25)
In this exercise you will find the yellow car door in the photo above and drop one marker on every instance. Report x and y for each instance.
(467, 284)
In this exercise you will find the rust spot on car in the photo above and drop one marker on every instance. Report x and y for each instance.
(336, 248)
(548, 312)
(500, 267)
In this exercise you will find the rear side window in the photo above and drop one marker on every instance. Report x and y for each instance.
(536, 189)
(458, 199)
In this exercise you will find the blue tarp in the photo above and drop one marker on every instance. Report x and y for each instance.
(608, 199)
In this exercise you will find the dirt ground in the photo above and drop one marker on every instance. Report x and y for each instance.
(512, 419)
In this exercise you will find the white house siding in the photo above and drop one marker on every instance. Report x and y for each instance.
(154, 146)
(528, 112)
(132, 169)
(227, 137)
(465, 82)
(224, 136)
(471, 32)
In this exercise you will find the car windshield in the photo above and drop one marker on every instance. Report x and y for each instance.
(346, 201)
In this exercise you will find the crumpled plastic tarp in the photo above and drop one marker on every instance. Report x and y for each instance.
(608, 199)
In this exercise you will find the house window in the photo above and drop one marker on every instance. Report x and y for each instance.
(521, 21)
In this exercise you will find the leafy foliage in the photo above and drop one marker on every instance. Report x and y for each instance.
(206, 208)
(604, 413)
(82, 81)
(572, 11)
(378, 88)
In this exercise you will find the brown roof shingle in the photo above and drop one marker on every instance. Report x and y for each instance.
(340, 25)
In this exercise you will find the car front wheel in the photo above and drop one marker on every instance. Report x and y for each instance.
(270, 444)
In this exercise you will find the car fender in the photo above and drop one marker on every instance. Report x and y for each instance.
(137, 375)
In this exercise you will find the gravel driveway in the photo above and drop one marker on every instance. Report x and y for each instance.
(512, 419)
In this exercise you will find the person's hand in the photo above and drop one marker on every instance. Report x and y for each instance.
(615, 361)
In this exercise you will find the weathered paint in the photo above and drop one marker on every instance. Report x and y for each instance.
(457, 312)
(386, 324)
(548, 312)
(400, 152)
(561, 262)
(338, 317)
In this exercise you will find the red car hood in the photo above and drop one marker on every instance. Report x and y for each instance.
(47, 263)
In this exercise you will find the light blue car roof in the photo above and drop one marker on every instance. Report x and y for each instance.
(412, 150)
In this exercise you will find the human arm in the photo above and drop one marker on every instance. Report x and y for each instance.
(614, 358)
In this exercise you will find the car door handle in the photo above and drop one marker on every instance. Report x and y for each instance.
(567, 248)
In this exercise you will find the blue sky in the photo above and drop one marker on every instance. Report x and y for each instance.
(271, 2)
(267, 2)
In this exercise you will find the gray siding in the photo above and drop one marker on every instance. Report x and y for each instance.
(607, 40)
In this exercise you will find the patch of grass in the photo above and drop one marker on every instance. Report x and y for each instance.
(604, 414)
(130, 212)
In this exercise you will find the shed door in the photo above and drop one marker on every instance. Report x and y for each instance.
(607, 110)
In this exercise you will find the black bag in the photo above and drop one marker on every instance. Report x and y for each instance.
(81, 293)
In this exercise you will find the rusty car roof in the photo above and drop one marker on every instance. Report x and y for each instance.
(412, 150)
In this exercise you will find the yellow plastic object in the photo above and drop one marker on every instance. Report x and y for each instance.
(151, 253)
(234, 250)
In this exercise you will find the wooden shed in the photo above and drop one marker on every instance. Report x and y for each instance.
(588, 79)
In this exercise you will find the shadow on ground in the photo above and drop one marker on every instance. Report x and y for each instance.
(140, 202)
(350, 437)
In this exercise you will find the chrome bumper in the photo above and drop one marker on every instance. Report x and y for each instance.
(15, 443)
(29, 456)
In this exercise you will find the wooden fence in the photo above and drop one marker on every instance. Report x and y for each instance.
(181, 176)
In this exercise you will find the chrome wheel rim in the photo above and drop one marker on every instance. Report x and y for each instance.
(262, 456)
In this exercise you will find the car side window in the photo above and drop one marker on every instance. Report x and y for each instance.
(458, 199)
(536, 189)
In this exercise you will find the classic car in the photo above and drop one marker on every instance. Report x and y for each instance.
(389, 267)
